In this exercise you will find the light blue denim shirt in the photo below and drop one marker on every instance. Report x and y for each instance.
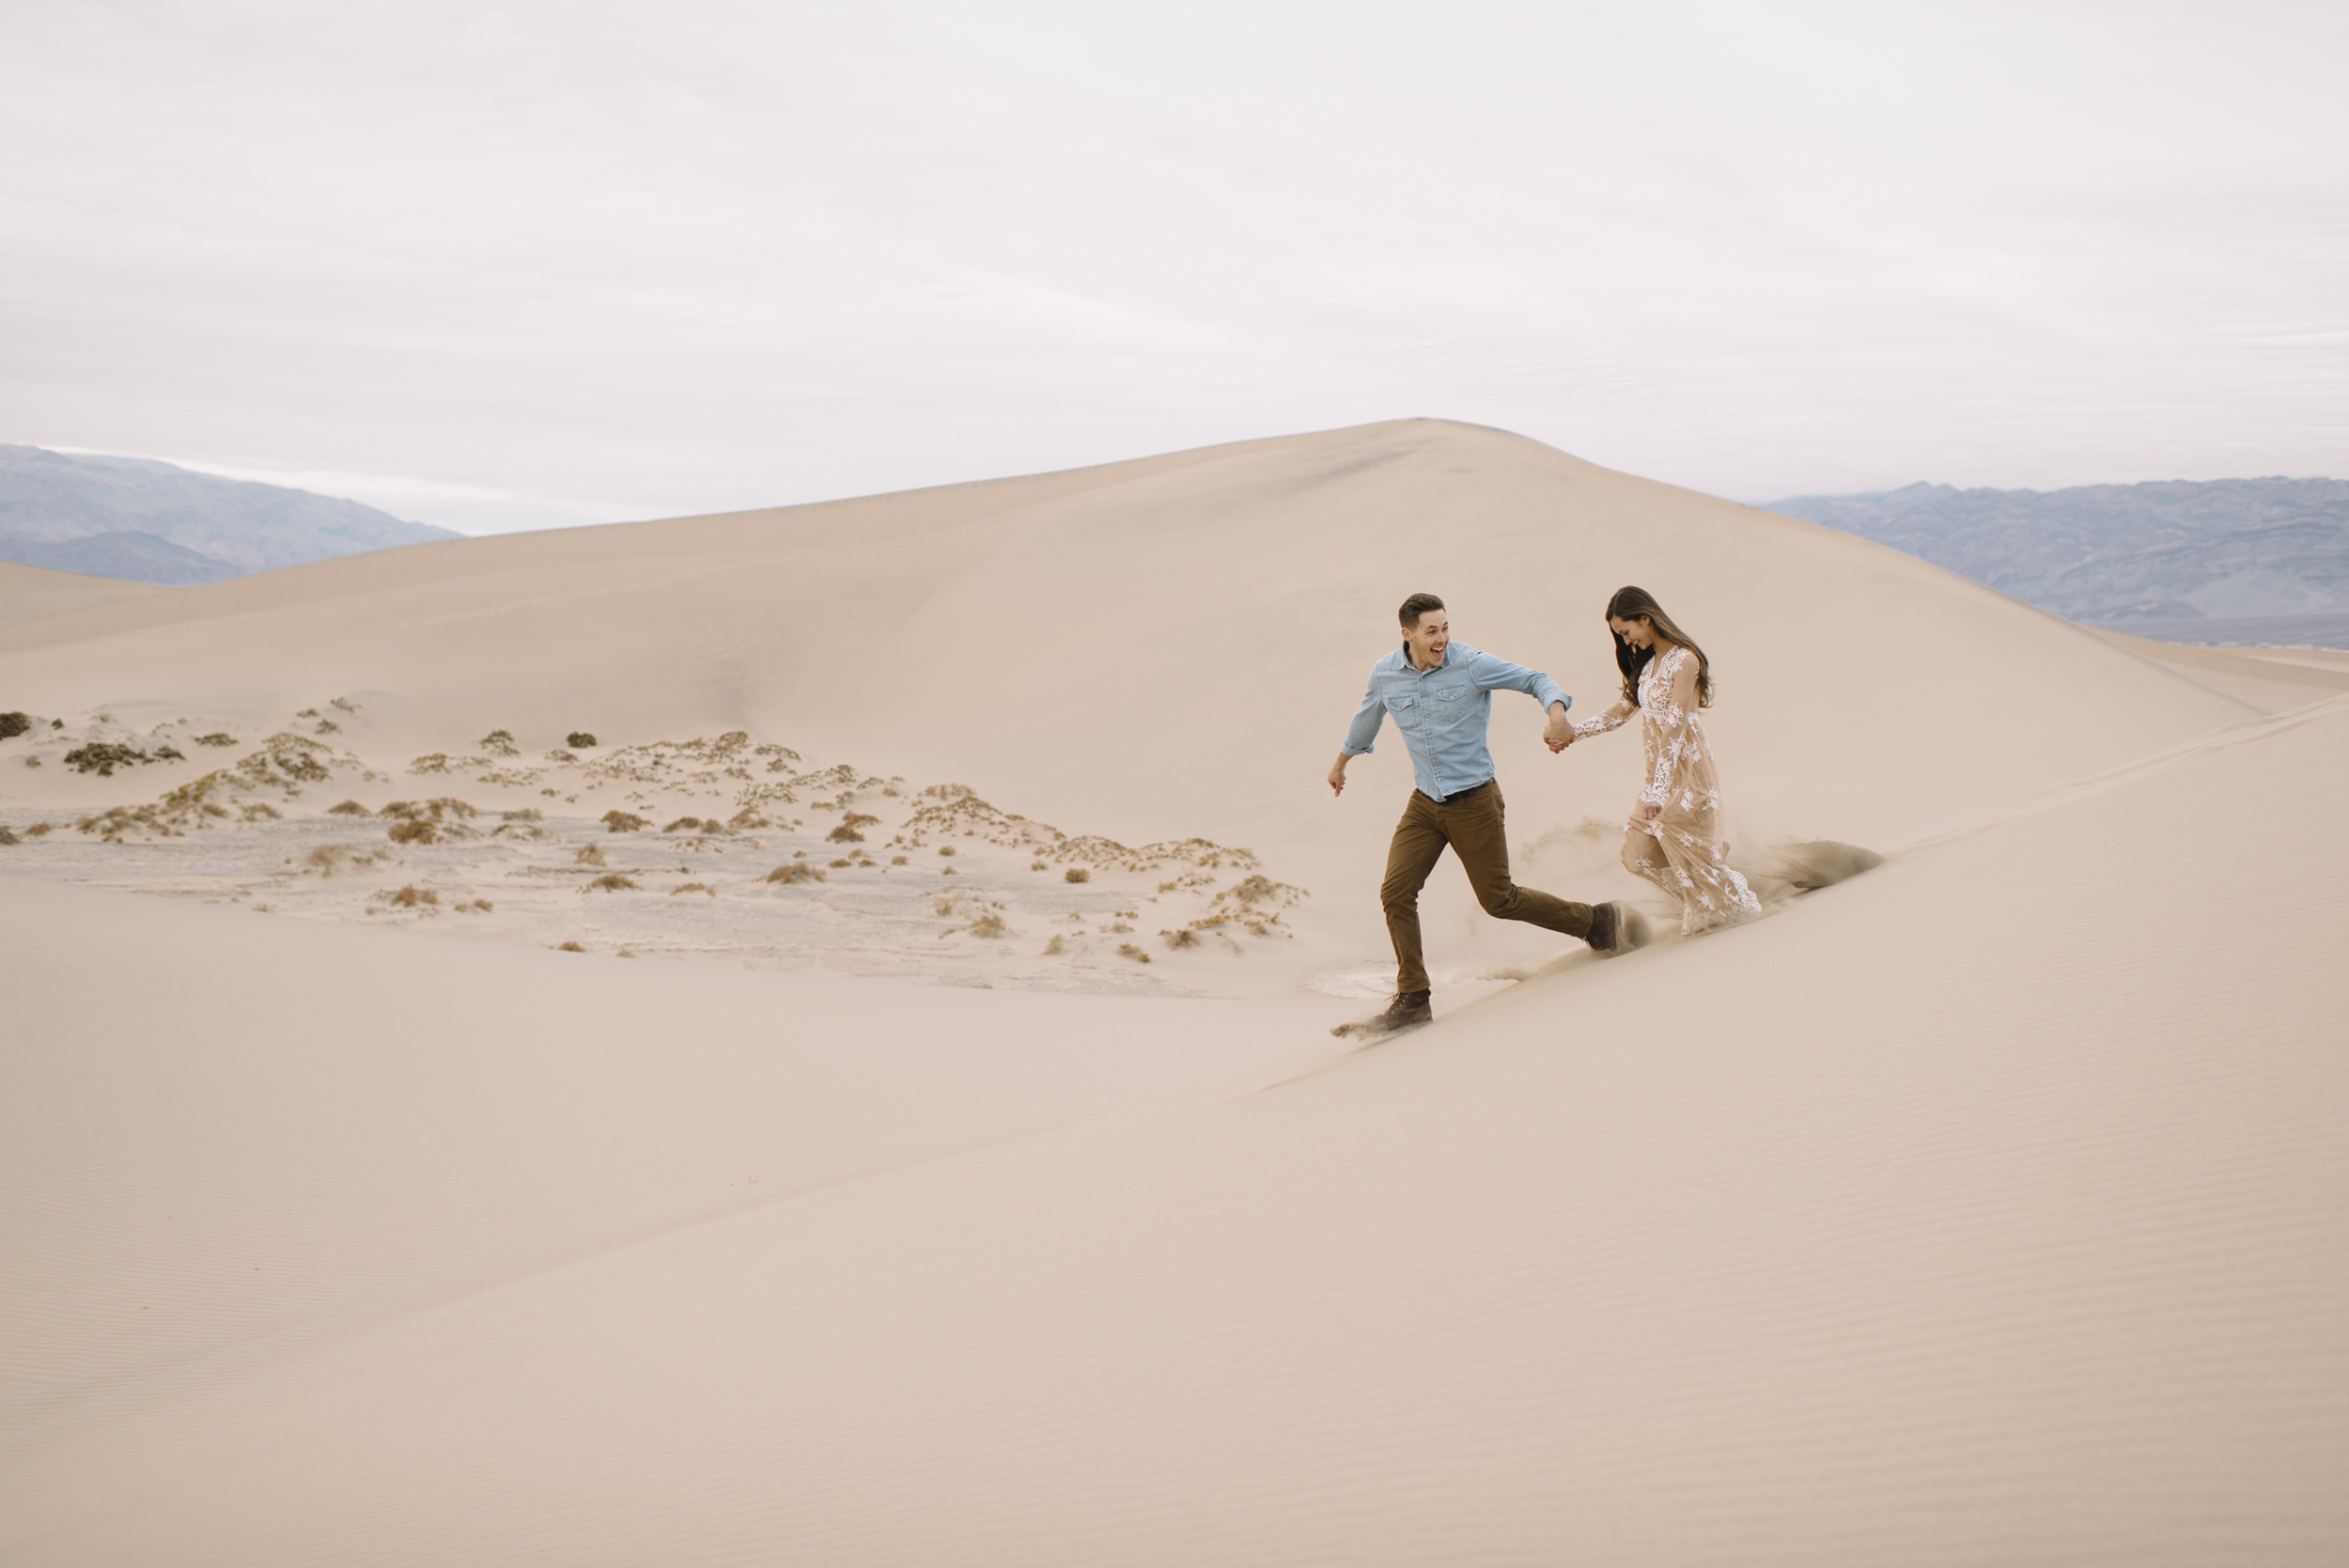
(1442, 713)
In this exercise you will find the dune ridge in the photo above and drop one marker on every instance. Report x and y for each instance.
(1987, 1205)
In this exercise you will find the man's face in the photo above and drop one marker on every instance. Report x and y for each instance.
(1429, 638)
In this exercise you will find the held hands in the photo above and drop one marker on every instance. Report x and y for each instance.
(1650, 810)
(1558, 734)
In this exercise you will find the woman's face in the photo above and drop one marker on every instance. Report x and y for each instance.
(1640, 633)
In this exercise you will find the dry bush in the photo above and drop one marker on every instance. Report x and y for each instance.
(611, 881)
(1128, 950)
(414, 829)
(327, 858)
(746, 819)
(528, 814)
(102, 758)
(499, 743)
(349, 808)
(846, 832)
(1184, 937)
(412, 895)
(8, 834)
(37, 828)
(946, 849)
(481, 906)
(1076, 874)
(839, 864)
(345, 703)
(694, 886)
(684, 823)
(624, 952)
(260, 811)
(14, 724)
(591, 854)
(948, 872)
(624, 822)
(327, 726)
(571, 947)
(946, 907)
(1057, 946)
(989, 924)
(794, 871)
(896, 859)
(307, 713)
(218, 737)
(579, 740)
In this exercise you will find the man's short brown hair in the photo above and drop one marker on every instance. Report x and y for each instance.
(1416, 606)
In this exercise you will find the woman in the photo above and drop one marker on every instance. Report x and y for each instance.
(1673, 838)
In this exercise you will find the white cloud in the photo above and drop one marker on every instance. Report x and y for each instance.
(733, 255)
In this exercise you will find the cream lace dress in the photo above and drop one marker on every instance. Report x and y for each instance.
(1682, 780)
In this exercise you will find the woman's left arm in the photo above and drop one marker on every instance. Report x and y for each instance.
(1673, 722)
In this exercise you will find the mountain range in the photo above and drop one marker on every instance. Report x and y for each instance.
(150, 521)
(2152, 557)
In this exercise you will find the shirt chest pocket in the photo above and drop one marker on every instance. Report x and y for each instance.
(1405, 711)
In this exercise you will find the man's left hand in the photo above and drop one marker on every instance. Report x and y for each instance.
(1558, 734)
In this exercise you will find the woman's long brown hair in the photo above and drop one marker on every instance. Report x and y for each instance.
(1631, 604)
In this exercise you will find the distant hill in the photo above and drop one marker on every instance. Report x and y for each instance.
(2172, 553)
(149, 521)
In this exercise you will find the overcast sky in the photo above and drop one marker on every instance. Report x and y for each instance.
(505, 266)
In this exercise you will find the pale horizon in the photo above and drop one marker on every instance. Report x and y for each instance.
(556, 266)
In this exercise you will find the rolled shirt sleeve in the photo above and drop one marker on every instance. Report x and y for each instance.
(1498, 675)
(1365, 729)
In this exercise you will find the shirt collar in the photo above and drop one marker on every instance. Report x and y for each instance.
(1405, 653)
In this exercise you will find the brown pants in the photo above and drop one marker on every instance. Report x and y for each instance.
(1471, 823)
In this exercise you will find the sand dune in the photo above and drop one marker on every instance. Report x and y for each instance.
(1158, 650)
(1989, 1206)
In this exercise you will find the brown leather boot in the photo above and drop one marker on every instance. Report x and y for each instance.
(1408, 1010)
(1617, 928)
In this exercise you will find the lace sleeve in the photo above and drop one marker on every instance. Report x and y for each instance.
(1676, 685)
(1610, 720)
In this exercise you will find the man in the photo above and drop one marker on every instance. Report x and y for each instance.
(1440, 694)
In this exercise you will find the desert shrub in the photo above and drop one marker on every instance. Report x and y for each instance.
(841, 861)
(1128, 950)
(694, 886)
(218, 737)
(327, 858)
(499, 743)
(591, 854)
(571, 947)
(349, 808)
(528, 814)
(307, 713)
(989, 924)
(327, 726)
(1076, 874)
(946, 849)
(37, 828)
(413, 829)
(439, 808)
(684, 823)
(1057, 946)
(579, 740)
(102, 758)
(32, 762)
(1184, 937)
(948, 872)
(624, 822)
(794, 871)
(746, 819)
(345, 703)
(611, 881)
(412, 895)
(14, 724)
(477, 906)
(260, 811)
(896, 859)
(8, 834)
(846, 832)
